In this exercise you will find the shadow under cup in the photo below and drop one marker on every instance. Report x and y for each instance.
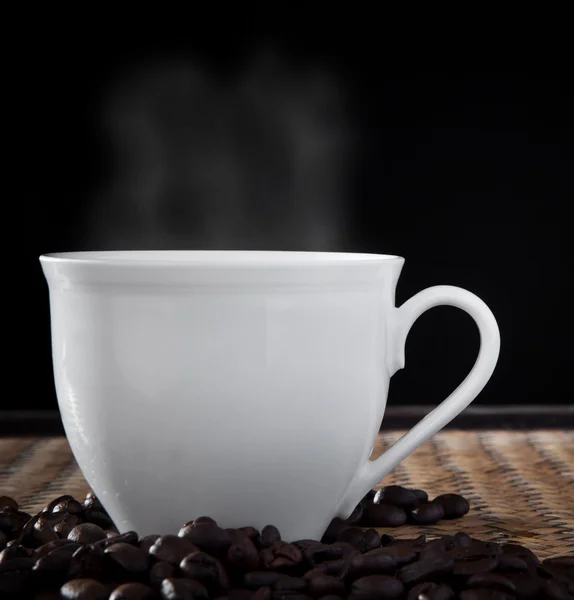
(247, 386)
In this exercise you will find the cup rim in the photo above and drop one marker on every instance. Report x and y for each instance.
(217, 258)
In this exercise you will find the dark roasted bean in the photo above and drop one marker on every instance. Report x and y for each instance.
(160, 571)
(205, 568)
(83, 589)
(524, 553)
(421, 496)
(129, 537)
(7, 502)
(58, 559)
(372, 539)
(202, 521)
(484, 595)
(338, 568)
(172, 549)
(317, 553)
(269, 535)
(454, 505)
(403, 551)
(475, 566)
(556, 590)
(244, 555)
(397, 496)
(66, 504)
(356, 516)
(560, 561)
(87, 562)
(387, 540)
(355, 537)
(63, 527)
(509, 562)
(91, 501)
(423, 570)
(262, 593)
(98, 517)
(335, 527)
(44, 530)
(133, 591)
(46, 548)
(3, 540)
(384, 515)
(128, 557)
(491, 581)
(462, 540)
(256, 579)
(281, 555)
(377, 586)
(286, 583)
(9, 521)
(146, 542)
(427, 513)
(208, 537)
(87, 533)
(324, 585)
(431, 591)
(370, 564)
(182, 589)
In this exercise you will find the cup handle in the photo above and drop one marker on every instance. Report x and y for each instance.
(405, 316)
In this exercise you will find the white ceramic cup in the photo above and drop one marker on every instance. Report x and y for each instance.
(247, 386)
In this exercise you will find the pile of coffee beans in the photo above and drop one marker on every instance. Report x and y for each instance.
(71, 550)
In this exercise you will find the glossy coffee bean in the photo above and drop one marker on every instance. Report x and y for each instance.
(454, 505)
(384, 515)
(66, 504)
(335, 527)
(160, 571)
(7, 502)
(316, 553)
(522, 552)
(182, 589)
(83, 589)
(509, 563)
(397, 496)
(354, 536)
(262, 593)
(423, 570)
(129, 537)
(475, 566)
(427, 513)
(98, 517)
(244, 555)
(133, 591)
(46, 548)
(58, 559)
(356, 516)
(421, 496)
(206, 569)
(129, 558)
(370, 564)
(3, 540)
(387, 540)
(492, 581)
(88, 561)
(207, 537)
(146, 542)
(172, 549)
(431, 591)
(556, 590)
(324, 585)
(269, 535)
(87, 533)
(372, 539)
(377, 587)
(63, 527)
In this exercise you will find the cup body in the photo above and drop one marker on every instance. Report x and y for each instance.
(245, 386)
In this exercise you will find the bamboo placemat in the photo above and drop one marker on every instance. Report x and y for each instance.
(520, 483)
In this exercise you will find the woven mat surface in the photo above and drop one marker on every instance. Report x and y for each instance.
(520, 484)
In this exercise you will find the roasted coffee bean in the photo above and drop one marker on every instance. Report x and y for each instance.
(372, 539)
(454, 505)
(244, 555)
(9, 521)
(58, 559)
(316, 553)
(524, 553)
(356, 516)
(146, 542)
(556, 590)
(509, 562)
(47, 548)
(129, 537)
(172, 549)
(3, 540)
(324, 585)
(280, 555)
(370, 564)
(269, 535)
(484, 595)
(475, 566)
(14, 551)
(337, 568)
(208, 537)
(160, 571)
(387, 540)
(87, 533)
(91, 502)
(427, 513)
(7, 502)
(44, 530)
(63, 528)
(354, 536)
(98, 517)
(377, 586)
(128, 557)
(202, 521)
(397, 496)
(422, 570)
(66, 504)
(560, 561)
(182, 589)
(133, 591)
(403, 551)
(206, 569)
(262, 593)
(88, 561)
(286, 583)
(384, 515)
(239, 594)
(492, 581)
(83, 589)
(421, 496)
(335, 527)
(474, 550)
(462, 540)
(431, 591)
(256, 579)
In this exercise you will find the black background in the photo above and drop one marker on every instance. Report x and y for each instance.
(467, 174)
